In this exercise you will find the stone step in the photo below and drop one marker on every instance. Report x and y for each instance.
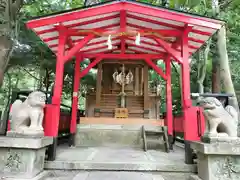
(119, 166)
(119, 159)
(155, 135)
(117, 175)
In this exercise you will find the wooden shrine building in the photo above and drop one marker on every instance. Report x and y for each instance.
(110, 91)
(123, 39)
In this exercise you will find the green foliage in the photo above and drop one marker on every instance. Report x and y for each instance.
(33, 54)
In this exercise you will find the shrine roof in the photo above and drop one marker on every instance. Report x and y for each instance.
(133, 17)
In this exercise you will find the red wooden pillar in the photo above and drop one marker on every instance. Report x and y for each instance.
(169, 114)
(53, 110)
(76, 84)
(186, 98)
(58, 85)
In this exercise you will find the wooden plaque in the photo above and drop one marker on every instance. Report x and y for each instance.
(121, 113)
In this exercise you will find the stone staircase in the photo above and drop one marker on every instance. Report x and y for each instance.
(116, 152)
(156, 135)
(142, 137)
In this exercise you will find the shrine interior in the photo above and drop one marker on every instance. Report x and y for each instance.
(123, 84)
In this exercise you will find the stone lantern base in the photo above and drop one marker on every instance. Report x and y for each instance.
(218, 159)
(23, 158)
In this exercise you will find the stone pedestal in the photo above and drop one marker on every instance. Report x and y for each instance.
(23, 158)
(218, 159)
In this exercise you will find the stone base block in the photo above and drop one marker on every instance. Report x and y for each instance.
(41, 176)
(194, 177)
(32, 134)
(115, 136)
(218, 160)
(118, 138)
(22, 157)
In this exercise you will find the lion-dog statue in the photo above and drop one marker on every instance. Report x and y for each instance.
(219, 121)
(27, 117)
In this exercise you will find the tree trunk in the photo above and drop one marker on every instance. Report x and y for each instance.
(9, 10)
(202, 67)
(5, 51)
(216, 81)
(225, 69)
(5, 110)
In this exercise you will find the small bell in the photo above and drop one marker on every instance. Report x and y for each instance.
(137, 41)
(109, 42)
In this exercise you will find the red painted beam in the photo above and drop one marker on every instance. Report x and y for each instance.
(170, 50)
(123, 23)
(196, 40)
(89, 44)
(90, 66)
(98, 20)
(128, 6)
(163, 32)
(187, 30)
(98, 48)
(102, 30)
(78, 46)
(74, 32)
(64, 29)
(166, 14)
(156, 68)
(126, 56)
(136, 51)
(179, 28)
(103, 51)
(155, 22)
(144, 48)
(156, 45)
(145, 42)
(78, 14)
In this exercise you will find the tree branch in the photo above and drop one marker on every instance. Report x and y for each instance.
(225, 5)
(15, 7)
(30, 73)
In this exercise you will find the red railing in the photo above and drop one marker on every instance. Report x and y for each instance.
(197, 123)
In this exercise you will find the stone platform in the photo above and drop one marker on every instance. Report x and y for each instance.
(115, 135)
(116, 175)
(119, 159)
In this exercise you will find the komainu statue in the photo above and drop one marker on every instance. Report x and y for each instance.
(26, 117)
(219, 121)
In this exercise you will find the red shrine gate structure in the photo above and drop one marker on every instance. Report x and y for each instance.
(107, 31)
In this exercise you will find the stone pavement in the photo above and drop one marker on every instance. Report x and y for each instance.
(116, 175)
(119, 159)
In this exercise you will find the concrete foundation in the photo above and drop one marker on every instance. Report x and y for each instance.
(218, 160)
(23, 158)
(109, 135)
(129, 136)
